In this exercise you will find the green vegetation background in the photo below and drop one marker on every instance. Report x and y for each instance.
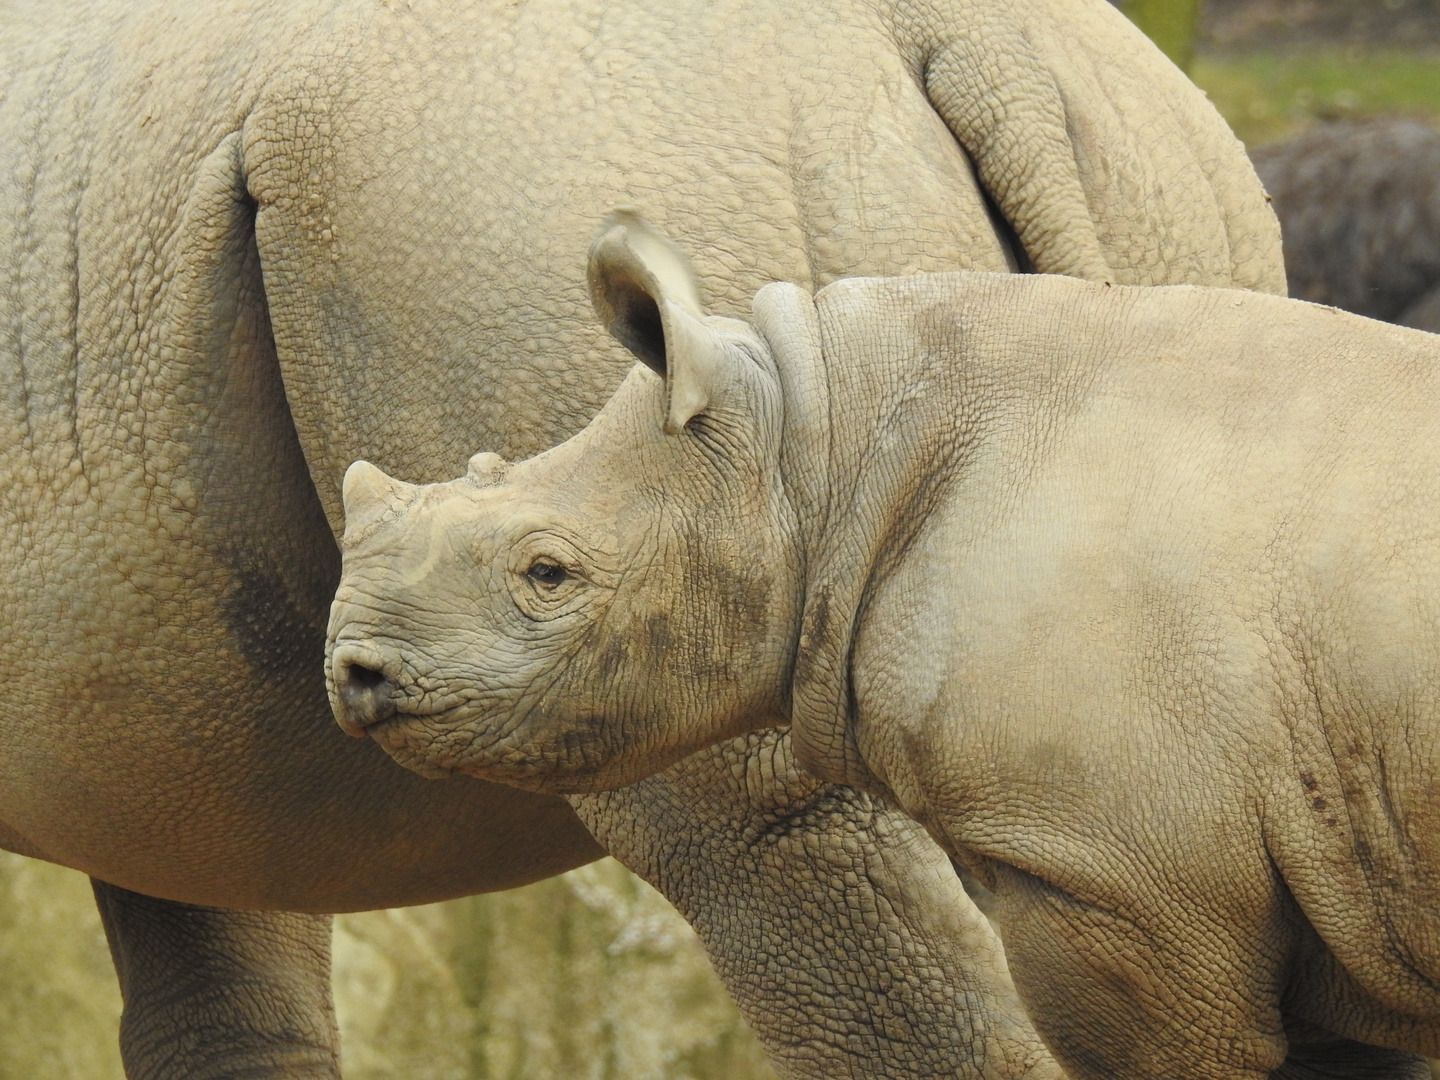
(1285, 65)
(1267, 95)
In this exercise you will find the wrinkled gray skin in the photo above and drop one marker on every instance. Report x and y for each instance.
(1359, 208)
(246, 243)
(1131, 596)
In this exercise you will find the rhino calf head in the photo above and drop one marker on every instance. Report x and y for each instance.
(578, 620)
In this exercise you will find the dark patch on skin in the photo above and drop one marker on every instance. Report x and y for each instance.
(276, 633)
(746, 599)
(732, 610)
(1309, 781)
(1315, 1054)
(1363, 857)
(259, 517)
(817, 619)
(825, 810)
(657, 633)
(612, 657)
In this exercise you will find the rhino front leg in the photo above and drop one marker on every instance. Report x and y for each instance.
(213, 994)
(839, 927)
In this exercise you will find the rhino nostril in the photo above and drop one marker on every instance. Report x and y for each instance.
(364, 678)
(369, 697)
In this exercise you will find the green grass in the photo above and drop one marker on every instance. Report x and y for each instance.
(1266, 96)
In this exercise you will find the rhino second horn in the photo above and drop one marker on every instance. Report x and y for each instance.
(487, 468)
(368, 492)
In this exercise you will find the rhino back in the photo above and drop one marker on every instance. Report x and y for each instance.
(429, 301)
(1170, 615)
(429, 180)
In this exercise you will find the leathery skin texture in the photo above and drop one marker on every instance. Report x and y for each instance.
(247, 243)
(1128, 595)
(918, 951)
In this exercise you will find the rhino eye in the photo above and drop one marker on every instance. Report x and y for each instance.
(546, 573)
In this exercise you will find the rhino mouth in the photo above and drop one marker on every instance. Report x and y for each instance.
(441, 743)
(398, 738)
(510, 734)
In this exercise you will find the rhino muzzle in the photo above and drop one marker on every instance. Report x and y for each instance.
(362, 695)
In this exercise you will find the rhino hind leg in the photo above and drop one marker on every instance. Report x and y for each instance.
(211, 993)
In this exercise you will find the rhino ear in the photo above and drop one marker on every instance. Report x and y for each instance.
(645, 294)
(368, 493)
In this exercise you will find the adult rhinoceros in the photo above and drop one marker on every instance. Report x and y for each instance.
(247, 242)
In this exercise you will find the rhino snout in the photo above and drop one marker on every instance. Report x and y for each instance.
(362, 695)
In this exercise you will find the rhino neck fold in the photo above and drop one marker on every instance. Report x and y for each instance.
(869, 449)
(906, 396)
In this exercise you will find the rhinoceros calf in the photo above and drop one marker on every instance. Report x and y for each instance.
(1132, 596)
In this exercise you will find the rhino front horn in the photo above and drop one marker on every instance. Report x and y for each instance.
(368, 492)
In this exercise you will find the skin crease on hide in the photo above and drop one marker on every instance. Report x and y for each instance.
(1128, 595)
(248, 242)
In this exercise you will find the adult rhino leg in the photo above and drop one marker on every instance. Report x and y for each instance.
(837, 924)
(213, 994)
